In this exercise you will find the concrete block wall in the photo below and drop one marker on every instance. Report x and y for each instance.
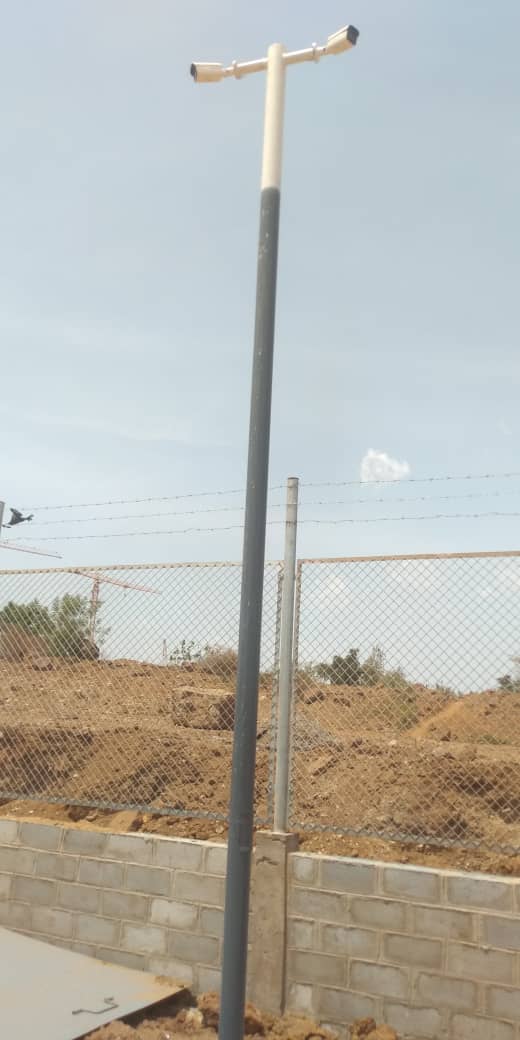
(435, 954)
(150, 903)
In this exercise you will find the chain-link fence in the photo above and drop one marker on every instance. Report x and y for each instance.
(117, 686)
(117, 691)
(406, 712)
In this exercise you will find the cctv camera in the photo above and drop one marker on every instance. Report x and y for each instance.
(342, 40)
(207, 72)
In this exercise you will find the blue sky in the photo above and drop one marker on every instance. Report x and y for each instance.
(128, 225)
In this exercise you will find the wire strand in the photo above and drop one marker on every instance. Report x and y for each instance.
(276, 505)
(276, 487)
(271, 523)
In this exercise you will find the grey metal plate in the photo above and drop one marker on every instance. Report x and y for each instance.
(47, 993)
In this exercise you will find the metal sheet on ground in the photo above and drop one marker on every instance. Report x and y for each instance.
(47, 993)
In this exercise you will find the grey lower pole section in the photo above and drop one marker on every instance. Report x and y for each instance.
(281, 784)
(240, 842)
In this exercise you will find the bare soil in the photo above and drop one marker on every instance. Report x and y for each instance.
(420, 767)
(186, 1017)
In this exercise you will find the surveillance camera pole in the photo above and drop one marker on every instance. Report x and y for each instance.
(241, 813)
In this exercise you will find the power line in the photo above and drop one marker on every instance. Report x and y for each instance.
(236, 527)
(276, 487)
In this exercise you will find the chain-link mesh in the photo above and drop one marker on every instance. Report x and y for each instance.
(406, 719)
(117, 686)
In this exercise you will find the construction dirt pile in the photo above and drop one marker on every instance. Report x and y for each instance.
(117, 744)
(186, 1016)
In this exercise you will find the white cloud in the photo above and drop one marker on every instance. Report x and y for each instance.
(377, 465)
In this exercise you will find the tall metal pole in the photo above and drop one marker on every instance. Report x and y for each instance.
(240, 842)
(281, 782)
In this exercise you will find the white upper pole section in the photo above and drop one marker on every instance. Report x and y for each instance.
(274, 113)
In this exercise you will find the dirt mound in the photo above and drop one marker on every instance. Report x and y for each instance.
(409, 764)
(491, 718)
(201, 1018)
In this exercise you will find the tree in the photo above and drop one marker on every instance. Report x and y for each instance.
(507, 683)
(374, 667)
(32, 617)
(70, 618)
(64, 627)
(344, 671)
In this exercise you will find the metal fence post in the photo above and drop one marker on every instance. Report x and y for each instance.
(281, 783)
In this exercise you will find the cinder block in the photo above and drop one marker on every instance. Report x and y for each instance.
(199, 888)
(208, 979)
(411, 883)
(15, 915)
(63, 944)
(470, 1027)
(301, 935)
(475, 962)
(78, 897)
(318, 968)
(503, 932)
(34, 890)
(172, 914)
(9, 832)
(303, 869)
(411, 1022)
(122, 905)
(442, 992)
(130, 848)
(40, 836)
(49, 921)
(378, 913)
(404, 949)
(151, 880)
(102, 873)
(85, 843)
(341, 1005)
(129, 960)
(177, 854)
(349, 942)
(55, 865)
(443, 924)
(183, 973)
(216, 860)
(195, 949)
(145, 938)
(503, 1003)
(484, 893)
(15, 860)
(5, 886)
(343, 875)
(85, 948)
(381, 979)
(302, 999)
(98, 930)
(212, 922)
(322, 906)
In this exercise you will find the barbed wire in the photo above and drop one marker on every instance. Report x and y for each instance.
(413, 480)
(271, 523)
(275, 487)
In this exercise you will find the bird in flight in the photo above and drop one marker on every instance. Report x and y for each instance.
(17, 518)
